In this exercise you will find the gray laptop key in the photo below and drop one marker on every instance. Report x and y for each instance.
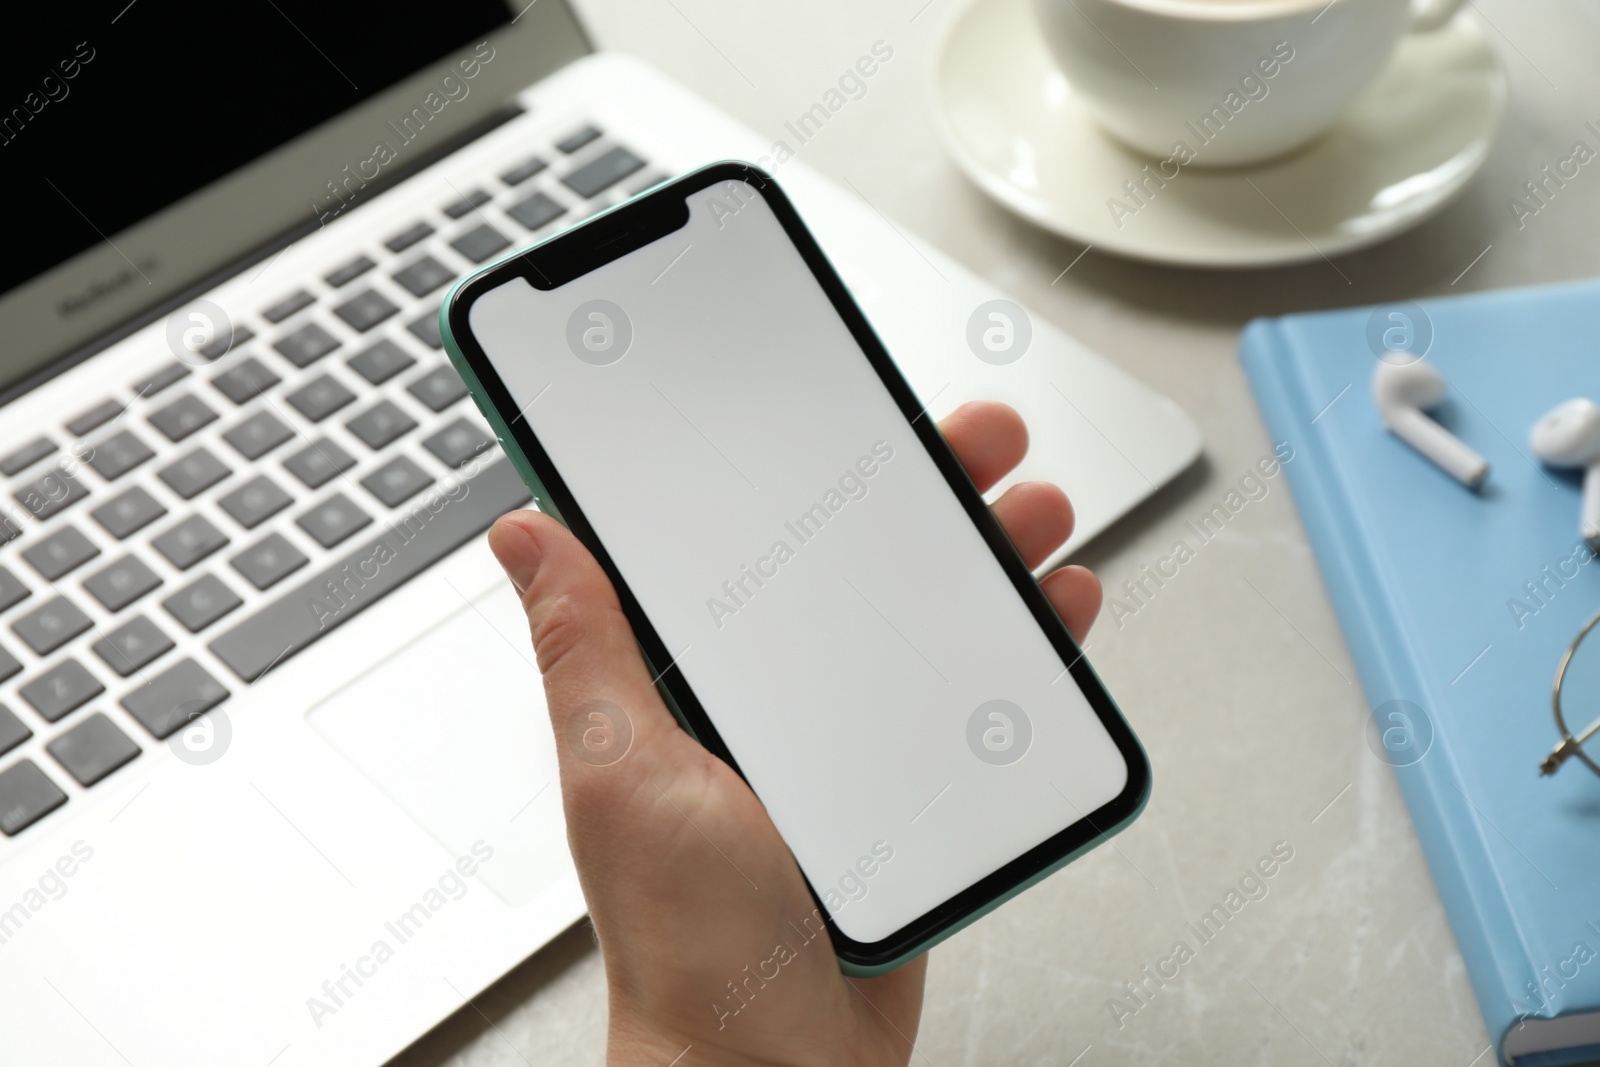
(94, 418)
(132, 646)
(194, 473)
(258, 435)
(320, 397)
(397, 480)
(48, 495)
(9, 665)
(189, 542)
(480, 242)
(9, 531)
(457, 443)
(12, 731)
(523, 171)
(426, 329)
(246, 381)
(577, 139)
(61, 690)
(381, 362)
(536, 211)
(63, 551)
(409, 545)
(365, 310)
(381, 424)
(26, 796)
(288, 306)
(269, 561)
(12, 591)
(306, 345)
(424, 276)
(439, 388)
(118, 454)
(348, 273)
(403, 240)
(121, 583)
(165, 378)
(201, 603)
(333, 520)
(224, 343)
(254, 502)
(182, 417)
(51, 625)
(92, 749)
(129, 511)
(26, 456)
(467, 204)
(602, 172)
(640, 184)
(319, 461)
(174, 698)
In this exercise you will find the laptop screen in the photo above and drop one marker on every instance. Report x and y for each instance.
(106, 122)
(146, 145)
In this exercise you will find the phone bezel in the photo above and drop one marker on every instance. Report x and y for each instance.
(638, 222)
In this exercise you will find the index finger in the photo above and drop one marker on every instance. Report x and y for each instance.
(989, 439)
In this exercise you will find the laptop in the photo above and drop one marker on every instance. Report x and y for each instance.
(277, 785)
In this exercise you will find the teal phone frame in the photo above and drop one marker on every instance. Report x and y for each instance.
(623, 229)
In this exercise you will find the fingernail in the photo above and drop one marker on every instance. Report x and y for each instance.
(517, 552)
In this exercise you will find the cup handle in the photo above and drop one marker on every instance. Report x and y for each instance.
(1429, 15)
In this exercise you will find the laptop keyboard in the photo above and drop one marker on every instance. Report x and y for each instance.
(226, 497)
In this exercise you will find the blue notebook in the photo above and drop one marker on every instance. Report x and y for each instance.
(1457, 607)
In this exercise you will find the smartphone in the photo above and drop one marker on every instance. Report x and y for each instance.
(685, 382)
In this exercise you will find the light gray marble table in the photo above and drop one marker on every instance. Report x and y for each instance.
(1236, 675)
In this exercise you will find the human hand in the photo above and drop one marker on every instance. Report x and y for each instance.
(688, 883)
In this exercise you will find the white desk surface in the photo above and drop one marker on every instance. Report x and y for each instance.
(1235, 674)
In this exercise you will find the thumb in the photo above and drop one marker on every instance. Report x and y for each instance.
(587, 652)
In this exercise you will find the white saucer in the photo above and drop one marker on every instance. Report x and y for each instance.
(1405, 148)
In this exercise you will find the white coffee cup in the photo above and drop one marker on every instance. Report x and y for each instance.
(1226, 82)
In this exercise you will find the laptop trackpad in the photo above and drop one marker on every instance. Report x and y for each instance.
(453, 728)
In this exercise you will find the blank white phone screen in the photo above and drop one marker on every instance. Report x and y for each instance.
(872, 669)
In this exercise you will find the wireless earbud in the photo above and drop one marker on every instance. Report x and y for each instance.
(1569, 436)
(1402, 392)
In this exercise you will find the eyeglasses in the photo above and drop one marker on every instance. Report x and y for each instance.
(1570, 745)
